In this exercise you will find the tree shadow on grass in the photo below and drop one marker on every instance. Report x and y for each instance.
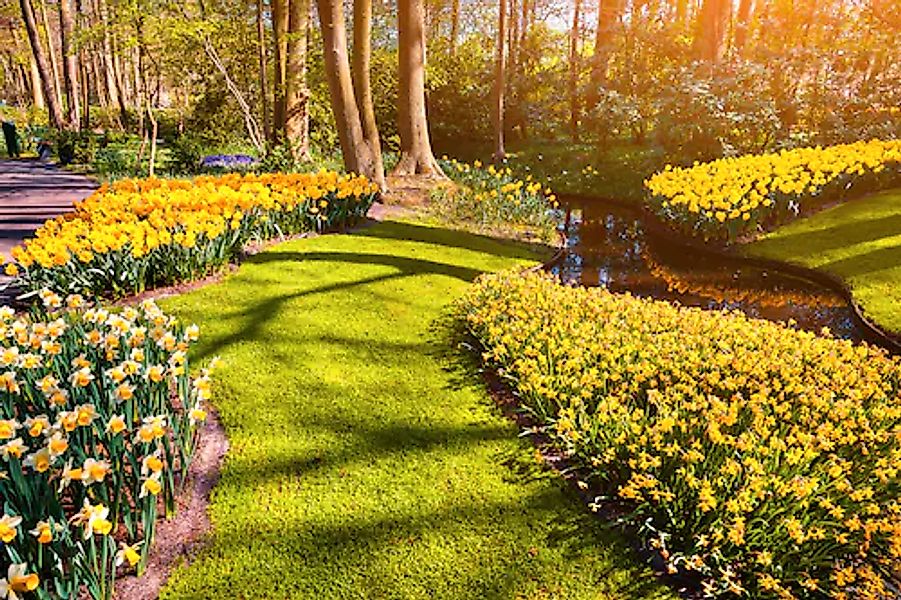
(460, 240)
(405, 266)
(863, 264)
(837, 236)
(261, 312)
(368, 443)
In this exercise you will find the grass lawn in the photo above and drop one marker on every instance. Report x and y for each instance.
(363, 463)
(860, 241)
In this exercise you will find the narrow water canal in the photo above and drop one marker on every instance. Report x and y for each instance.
(609, 245)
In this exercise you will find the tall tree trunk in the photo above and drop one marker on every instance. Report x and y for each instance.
(455, 26)
(297, 116)
(280, 30)
(524, 28)
(34, 80)
(154, 130)
(126, 96)
(84, 59)
(512, 39)
(500, 83)
(37, 49)
(70, 61)
(682, 12)
(109, 68)
(742, 23)
(362, 85)
(711, 28)
(359, 156)
(263, 71)
(85, 92)
(416, 156)
(609, 13)
(574, 107)
(52, 53)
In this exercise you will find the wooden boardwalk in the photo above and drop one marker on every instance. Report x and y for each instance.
(31, 192)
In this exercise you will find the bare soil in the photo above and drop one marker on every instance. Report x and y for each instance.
(180, 537)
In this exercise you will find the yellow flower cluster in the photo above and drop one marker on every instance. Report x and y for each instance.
(767, 461)
(98, 421)
(494, 197)
(137, 232)
(730, 197)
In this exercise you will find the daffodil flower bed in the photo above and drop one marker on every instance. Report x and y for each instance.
(762, 459)
(729, 198)
(136, 234)
(493, 198)
(98, 422)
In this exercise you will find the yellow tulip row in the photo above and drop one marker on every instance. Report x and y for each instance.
(135, 233)
(763, 460)
(733, 197)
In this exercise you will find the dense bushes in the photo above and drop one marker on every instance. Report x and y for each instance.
(732, 197)
(762, 459)
(136, 234)
(98, 419)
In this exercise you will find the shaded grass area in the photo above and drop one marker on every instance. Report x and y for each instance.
(859, 241)
(364, 463)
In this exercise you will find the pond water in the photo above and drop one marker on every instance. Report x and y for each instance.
(609, 245)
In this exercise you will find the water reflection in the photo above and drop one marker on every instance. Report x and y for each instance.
(608, 247)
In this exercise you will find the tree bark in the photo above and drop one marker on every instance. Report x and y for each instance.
(280, 30)
(742, 23)
(297, 116)
(455, 26)
(360, 73)
(109, 67)
(574, 105)
(512, 39)
(359, 156)
(52, 52)
(416, 157)
(263, 71)
(70, 62)
(37, 49)
(609, 13)
(34, 80)
(710, 30)
(682, 12)
(500, 83)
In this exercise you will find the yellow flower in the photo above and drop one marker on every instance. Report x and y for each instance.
(151, 486)
(116, 425)
(43, 531)
(8, 525)
(17, 581)
(128, 554)
(94, 471)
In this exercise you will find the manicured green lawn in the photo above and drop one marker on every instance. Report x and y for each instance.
(363, 464)
(860, 241)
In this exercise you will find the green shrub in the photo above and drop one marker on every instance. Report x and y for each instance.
(765, 461)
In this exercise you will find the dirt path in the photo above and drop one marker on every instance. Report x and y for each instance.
(32, 192)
